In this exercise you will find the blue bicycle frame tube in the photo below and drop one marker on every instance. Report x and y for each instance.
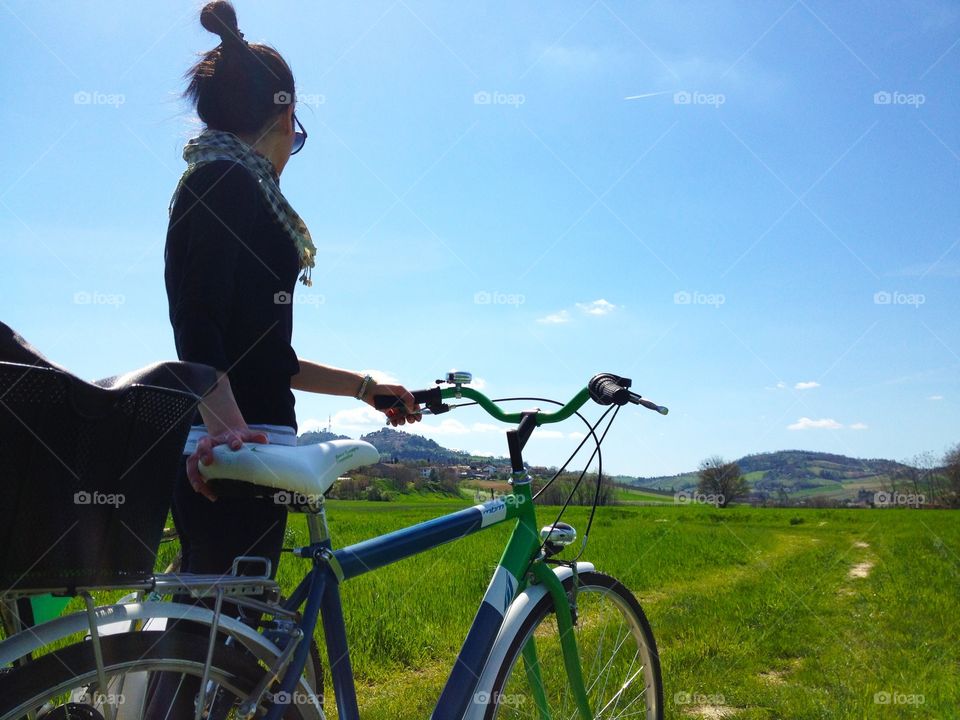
(321, 592)
(317, 584)
(379, 551)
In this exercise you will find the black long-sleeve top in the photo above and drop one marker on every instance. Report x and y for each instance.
(230, 275)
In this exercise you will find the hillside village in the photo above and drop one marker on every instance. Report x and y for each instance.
(797, 478)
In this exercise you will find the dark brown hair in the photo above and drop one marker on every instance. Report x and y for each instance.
(237, 86)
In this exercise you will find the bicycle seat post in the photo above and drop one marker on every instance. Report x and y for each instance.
(317, 522)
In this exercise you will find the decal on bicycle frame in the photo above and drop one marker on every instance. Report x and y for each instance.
(492, 512)
(500, 592)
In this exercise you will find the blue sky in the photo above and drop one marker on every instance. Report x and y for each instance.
(749, 208)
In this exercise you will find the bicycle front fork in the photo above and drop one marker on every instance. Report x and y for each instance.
(565, 607)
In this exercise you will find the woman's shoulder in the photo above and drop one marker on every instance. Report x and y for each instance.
(223, 172)
(219, 184)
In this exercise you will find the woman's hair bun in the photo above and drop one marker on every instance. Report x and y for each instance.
(221, 19)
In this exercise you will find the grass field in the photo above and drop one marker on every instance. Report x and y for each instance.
(758, 613)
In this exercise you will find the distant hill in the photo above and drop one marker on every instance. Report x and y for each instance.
(403, 446)
(796, 472)
(319, 436)
(407, 446)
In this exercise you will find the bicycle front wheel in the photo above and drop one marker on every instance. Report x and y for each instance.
(64, 683)
(621, 669)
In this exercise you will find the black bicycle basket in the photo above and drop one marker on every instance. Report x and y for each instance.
(86, 475)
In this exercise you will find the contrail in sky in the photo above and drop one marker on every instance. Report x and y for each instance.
(646, 95)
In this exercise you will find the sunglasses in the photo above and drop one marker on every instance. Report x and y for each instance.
(299, 137)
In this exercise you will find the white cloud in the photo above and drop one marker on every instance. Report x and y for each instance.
(858, 426)
(355, 421)
(597, 307)
(447, 426)
(781, 385)
(556, 318)
(311, 425)
(808, 385)
(806, 423)
(487, 427)
(935, 397)
(450, 426)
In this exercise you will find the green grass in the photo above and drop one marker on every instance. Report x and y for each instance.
(749, 611)
(753, 609)
(627, 495)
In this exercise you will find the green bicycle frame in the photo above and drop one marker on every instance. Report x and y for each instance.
(519, 566)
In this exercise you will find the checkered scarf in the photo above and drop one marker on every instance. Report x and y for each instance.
(213, 145)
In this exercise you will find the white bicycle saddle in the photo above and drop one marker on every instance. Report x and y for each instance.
(304, 469)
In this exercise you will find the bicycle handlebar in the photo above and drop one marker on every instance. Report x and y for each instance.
(604, 388)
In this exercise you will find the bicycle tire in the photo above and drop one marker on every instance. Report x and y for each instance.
(58, 676)
(602, 602)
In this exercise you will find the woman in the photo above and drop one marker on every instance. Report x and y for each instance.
(234, 251)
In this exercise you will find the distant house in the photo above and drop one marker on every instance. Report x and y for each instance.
(490, 470)
(425, 472)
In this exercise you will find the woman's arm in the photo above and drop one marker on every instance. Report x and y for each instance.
(327, 380)
(225, 426)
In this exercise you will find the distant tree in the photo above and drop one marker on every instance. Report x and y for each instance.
(951, 463)
(585, 493)
(918, 475)
(721, 479)
(783, 497)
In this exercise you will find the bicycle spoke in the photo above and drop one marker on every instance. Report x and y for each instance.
(617, 654)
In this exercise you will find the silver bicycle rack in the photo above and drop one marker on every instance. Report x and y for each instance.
(237, 589)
